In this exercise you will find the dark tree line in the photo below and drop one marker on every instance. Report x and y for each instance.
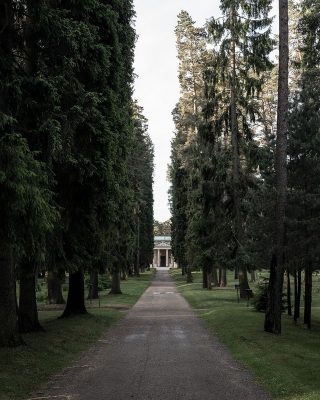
(244, 168)
(76, 161)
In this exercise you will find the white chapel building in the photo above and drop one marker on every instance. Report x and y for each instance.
(162, 254)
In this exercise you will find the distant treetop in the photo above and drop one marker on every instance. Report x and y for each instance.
(162, 228)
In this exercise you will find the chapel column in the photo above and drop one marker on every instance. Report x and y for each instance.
(167, 258)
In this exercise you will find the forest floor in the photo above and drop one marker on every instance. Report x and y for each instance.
(287, 366)
(24, 369)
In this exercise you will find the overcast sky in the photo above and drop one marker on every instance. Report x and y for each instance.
(157, 86)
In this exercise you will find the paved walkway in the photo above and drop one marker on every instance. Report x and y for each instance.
(159, 351)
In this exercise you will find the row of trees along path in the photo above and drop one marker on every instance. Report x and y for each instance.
(76, 161)
(244, 170)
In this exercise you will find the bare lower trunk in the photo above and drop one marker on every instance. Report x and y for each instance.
(94, 285)
(204, 278)
(273, 313)
(274, 304)
(308, 297)
(123, 275)
(183, 268)
(297, 295)
(75, 302)
(223, 278)
(253, 276)
(289, 294)
(189, 275)
(9, 333)
(209, 279)
(243, 282)
(115, 283)
(54, 288)
(215, 280)
(136, 270)
(137, 263)
(28, 313)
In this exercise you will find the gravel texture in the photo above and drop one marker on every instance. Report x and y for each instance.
(159, 351)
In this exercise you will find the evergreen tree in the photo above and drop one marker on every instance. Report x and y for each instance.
(273, 314)
(191, 46)
(244, 44)
(303, 169)
(27, 213)
(142, 168)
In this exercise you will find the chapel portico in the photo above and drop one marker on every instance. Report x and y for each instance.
(162, 254)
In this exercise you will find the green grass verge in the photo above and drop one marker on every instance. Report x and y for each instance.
(26, 368)
(287, 366)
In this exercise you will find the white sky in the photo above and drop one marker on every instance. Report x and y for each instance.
(157, 86)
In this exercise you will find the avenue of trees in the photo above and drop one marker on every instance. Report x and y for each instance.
(76, 160)
(245, 156)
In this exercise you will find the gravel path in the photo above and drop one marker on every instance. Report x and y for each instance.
(159, 351)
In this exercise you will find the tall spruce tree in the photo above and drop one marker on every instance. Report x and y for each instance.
(27, 213)
(95, 171)
(273, 315)
(142, 168)
(303, 168)
(244, 42)
(191, 47)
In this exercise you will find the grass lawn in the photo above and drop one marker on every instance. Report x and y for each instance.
(287, 366)
(26, 368)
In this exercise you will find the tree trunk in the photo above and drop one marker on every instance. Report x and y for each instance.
(28, 312)
(115, 283)
(137, 263)
(123, 275)
(223, 278)
(236, 273)
(273, 313)
(189, 275)
(9, 332)
(204, 278)
(54, 288)
(253, 276)
(289, 294)
(136, 269)
(209, 278)
(94, 285)
(308, 296)
(215, 280)
(243, 281)
(75, 302)
(297, 295)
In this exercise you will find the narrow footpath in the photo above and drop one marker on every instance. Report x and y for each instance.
(159, 351)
